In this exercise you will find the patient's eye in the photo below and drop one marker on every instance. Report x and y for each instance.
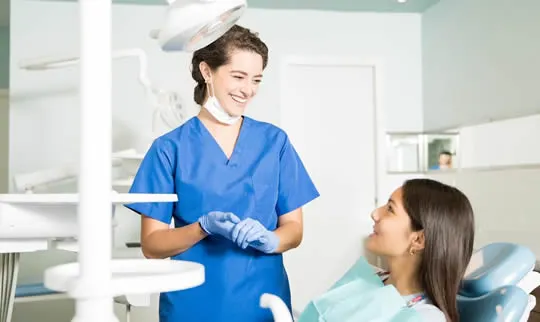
(389, 208)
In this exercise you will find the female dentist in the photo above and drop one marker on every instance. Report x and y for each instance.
(241, 187)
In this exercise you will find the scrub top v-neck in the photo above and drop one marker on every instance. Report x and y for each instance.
(220, 155)
(263, 179)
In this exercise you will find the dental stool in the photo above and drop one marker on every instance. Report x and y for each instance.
(498, 283)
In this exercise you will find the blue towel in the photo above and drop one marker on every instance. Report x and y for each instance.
(37, 289)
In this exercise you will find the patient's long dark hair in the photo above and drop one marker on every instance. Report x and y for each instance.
(446, 216)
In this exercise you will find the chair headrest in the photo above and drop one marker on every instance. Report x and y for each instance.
(496, 265)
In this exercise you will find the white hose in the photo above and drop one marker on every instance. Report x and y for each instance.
(280, 311)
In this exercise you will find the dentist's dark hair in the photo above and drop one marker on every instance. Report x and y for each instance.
(446, 217)
(218, 54)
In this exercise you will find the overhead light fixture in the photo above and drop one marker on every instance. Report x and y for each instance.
(193, 24)
(401, 1)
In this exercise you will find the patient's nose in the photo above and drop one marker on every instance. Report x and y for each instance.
(375, 215)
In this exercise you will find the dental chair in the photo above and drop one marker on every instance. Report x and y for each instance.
(496, 287)
(498, 283)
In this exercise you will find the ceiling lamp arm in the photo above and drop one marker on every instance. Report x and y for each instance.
(37, 64)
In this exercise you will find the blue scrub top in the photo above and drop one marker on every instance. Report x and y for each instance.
(263, 179)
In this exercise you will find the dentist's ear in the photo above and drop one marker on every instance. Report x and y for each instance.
(205, 71)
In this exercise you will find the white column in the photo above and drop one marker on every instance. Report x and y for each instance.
(95, 160)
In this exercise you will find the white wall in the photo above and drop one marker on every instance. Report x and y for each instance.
(501, 177)
(4, 106)
(4, 56)
(504, 202)
(4, 139)
(481, 61)
(503, 143)
(44, 114)
(481, 64)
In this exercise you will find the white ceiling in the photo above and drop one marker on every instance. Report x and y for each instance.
(337, 5)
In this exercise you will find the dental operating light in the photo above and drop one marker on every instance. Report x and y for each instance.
(193, 24)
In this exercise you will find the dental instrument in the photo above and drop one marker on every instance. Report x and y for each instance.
(95, 279)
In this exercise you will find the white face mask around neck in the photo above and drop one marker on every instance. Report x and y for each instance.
(213, 106)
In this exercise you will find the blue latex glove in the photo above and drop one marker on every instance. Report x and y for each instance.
(219, 223)
(250, 232)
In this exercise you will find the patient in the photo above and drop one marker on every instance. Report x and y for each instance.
(425, 233)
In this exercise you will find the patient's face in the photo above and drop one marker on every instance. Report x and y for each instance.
(392, 234)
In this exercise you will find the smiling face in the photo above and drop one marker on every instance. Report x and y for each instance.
(392, 233)
(235, 83)
(437, 222)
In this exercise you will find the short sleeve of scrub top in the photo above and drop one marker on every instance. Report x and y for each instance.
(155, 175)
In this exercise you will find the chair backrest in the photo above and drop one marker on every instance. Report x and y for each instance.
(490, 292)
(496, 265)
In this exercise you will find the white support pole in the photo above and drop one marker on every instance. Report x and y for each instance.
(95, 211)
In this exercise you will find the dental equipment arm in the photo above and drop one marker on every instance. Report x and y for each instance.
(167, 105)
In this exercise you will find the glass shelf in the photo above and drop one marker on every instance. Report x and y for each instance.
(418, 152)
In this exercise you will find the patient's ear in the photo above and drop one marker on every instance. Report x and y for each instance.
(418, 242)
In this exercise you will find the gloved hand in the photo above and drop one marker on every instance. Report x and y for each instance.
(250, 232)
(219, 223)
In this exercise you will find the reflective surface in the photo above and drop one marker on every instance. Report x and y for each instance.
(421, 152)
(403, 152)
(441, 151)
